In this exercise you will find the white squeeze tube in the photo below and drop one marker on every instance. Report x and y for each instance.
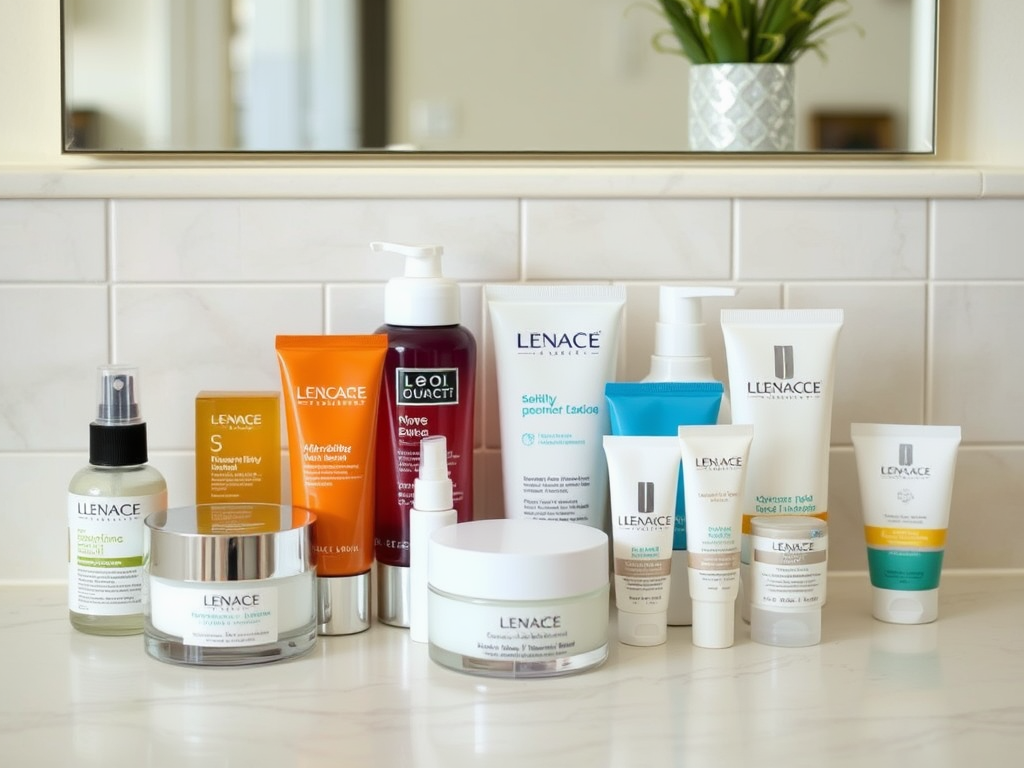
(715, 461)
(781, 380)
(555, 347)
(906, 486)
(643, 475)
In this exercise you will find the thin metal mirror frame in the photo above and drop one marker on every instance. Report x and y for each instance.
(374, 94)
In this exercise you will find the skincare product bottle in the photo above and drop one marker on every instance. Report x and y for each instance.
(428, 389)
(431, 509)
(108, 502)
(681, 355)
(680, 346)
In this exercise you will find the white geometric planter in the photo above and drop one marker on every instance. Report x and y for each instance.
(742, 108)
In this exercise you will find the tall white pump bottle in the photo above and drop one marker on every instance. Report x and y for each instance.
(428, 390)
(681, 355)
(680, 342)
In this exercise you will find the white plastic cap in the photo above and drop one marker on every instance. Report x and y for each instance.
(679, 331)
(643, 628)
(713, 624)
(432, 488)
(422, 296)
(789, 629)
(905, 607)
(680, 605)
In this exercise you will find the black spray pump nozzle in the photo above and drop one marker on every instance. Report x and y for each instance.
(118, 396)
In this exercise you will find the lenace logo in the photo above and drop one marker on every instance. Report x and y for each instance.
(784, 361)
(644, 498)
(906, 454)
(785, 382)
(906, 468)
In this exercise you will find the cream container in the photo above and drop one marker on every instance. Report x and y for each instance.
(518, 598)
(229, 584)
(788, 579)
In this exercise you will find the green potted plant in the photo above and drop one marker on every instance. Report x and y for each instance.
(741, 54)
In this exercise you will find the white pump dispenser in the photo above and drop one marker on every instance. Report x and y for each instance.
(431, 509)
(422, 296)
(680, 346)
(681, 355)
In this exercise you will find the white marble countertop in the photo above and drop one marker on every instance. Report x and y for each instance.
(946, 694)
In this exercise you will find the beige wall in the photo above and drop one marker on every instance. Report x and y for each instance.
(980, 101)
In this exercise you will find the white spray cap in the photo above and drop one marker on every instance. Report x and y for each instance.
(431, 510)
(422, 296)
(432, 489)
(680, 328)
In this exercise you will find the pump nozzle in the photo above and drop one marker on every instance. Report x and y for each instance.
(432, 489)
(117, 398)
(680, 328)
(422, 296)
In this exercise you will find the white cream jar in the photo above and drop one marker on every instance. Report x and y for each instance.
(229, 584)
(518, 598)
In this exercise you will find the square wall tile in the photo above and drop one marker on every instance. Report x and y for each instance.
(831, 239)
(646, 239)
(880, 367)
(984, 518)
(976, 350)
(54, 338)
(978, 239)
(308, 240)
(53, 240)
(189, 338)
(34, 514)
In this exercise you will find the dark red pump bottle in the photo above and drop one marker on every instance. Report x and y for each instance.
(428, 388)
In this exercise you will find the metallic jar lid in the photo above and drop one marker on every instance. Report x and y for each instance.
(228, 542)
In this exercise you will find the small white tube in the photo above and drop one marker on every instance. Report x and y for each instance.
(906, 486)
(643, 474)
(714, 475)
(555, 346)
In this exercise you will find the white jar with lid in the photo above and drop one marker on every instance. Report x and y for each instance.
(518, 598)
(788, 579)
(229, 584)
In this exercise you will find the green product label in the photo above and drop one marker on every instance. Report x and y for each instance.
(905, 570)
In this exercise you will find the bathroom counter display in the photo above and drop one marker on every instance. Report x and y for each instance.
(949, 693)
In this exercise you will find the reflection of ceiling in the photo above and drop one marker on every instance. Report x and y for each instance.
(449, 90)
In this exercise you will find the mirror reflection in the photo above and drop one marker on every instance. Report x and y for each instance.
(455, 76)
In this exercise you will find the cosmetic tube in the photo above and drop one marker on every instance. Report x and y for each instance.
(781, 380)
(906, 486)
(555, 347)
(714, 475)
(643, 473)
(331, 390)
(660, 408)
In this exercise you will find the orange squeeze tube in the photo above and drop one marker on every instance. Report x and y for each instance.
(331, 386)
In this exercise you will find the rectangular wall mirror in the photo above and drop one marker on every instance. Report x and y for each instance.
(453, 76)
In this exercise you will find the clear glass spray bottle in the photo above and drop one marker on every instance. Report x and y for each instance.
(107, 504)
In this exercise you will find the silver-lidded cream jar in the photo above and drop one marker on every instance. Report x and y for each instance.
(229, 584)
(518, 598)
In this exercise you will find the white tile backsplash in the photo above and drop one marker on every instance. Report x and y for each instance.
(59, 240)
(53, 337)
(978, 239)
(977, 352)
(932, 292)
(301, 240)
(831, 239)
(645, 239)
